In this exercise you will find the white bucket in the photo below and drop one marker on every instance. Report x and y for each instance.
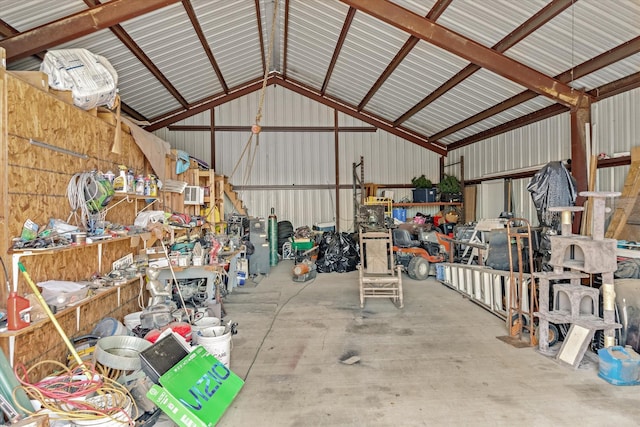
(217, 343)
(132, 320)
(201, 324)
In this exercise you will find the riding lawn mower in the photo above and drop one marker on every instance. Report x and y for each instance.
(417, 247)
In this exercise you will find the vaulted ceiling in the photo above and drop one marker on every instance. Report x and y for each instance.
(442, 74)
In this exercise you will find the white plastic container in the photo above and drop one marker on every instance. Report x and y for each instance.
(217, 343)
(201, 324)
(132, 320)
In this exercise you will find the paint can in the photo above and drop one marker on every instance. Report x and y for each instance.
(79, 238)
(217, 342)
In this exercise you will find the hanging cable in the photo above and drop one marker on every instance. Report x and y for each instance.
(256, 128)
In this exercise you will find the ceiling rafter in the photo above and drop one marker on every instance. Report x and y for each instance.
(7, 30)
(467, 48)
(352, 111)
(214, 101)
(603, 60)
(543, 16)
(259, 24)
(313, 94)
(77, 25)
(336, 52)
(412, 41)
(205, 44)
(610, 89)
(128, 41)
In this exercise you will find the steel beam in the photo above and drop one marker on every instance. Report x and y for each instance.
(77, 25)
(468, 49)
(352, 111)
(605, 59)
(434, 13)
(543, 16)
(336, 51)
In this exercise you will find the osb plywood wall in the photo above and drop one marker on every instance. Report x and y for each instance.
(33, 183)
(38, 177)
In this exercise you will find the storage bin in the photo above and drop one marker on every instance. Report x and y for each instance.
(424, 195)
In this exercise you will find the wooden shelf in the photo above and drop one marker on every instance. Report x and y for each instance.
(72, 308)
(47, 251)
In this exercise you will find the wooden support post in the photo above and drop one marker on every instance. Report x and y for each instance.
(4, 170)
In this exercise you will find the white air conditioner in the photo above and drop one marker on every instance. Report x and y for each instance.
(193, 195)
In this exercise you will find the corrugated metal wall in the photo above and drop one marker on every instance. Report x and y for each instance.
(615, 129)
(307, 158)
(301, 158)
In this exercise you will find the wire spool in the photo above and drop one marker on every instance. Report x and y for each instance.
(273, 238)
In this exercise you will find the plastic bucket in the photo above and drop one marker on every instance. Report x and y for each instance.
(109, 326)
(201, 324)
(217, 343)
(132, 320)
(400, 214)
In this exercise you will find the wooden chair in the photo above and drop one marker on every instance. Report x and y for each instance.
(378, 274)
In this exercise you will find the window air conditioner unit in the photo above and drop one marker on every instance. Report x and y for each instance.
(193, 195)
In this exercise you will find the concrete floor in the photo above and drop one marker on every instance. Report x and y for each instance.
(436, 362)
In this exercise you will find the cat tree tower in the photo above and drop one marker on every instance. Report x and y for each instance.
(573, 258)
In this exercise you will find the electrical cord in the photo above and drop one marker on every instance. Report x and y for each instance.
(275, 317)
(82, 188)
(73, 395)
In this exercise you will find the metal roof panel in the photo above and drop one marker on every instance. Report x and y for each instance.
(575, 36)
(314, 28)
(424, 69)
(168, 39)
(231, 30)
(368, 48)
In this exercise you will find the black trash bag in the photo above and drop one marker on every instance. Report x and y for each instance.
(552, 186)
(338, 252)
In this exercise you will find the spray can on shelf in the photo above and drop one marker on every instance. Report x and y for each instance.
(273, 238)
(120, 181)
(153, 186)
(131, 182)
(140, 185)
(17, 312)
(110, 176)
